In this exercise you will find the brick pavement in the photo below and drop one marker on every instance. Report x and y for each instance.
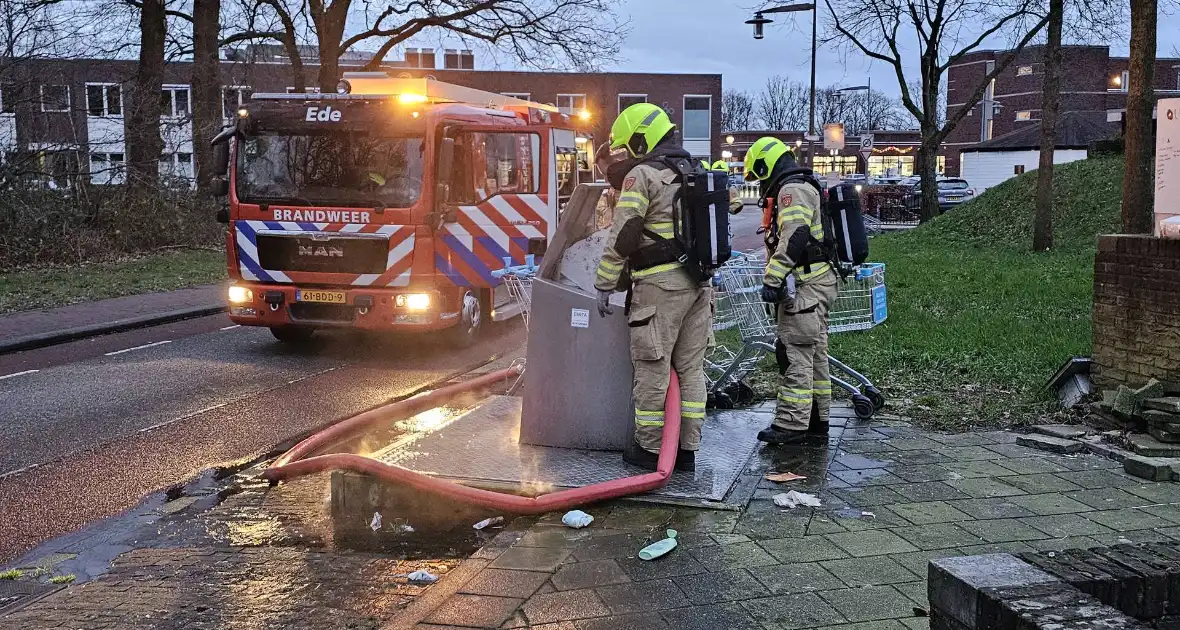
(893, 498)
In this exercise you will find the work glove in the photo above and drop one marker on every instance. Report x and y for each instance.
(772, 295)
(604, 307)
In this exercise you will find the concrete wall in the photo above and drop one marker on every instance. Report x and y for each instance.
(984, 169)
(1136, 310)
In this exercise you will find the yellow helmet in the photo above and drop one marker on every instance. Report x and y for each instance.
(640, 128)
(720, 165)
(762, 157)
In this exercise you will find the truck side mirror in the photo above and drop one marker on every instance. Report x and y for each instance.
(219, 186)
(221, 158)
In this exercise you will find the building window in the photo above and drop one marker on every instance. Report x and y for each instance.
(177, 165)
(627, 100)
(524, 96)
(1024, 115)
(1120, 80)
(7, 99)
(55, 98)
(232, 99)
(458, 59)
(571, 103)
(174, 101)
(698, 111)
(1018, 169)
(106, 168)
(1023, 71)
(420, 58)
(988, 104)
(103, 99)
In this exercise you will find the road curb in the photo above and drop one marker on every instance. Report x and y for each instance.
(42, 340)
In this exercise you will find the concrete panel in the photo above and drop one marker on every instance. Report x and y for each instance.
(577, 391)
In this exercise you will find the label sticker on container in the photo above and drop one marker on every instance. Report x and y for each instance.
(579, 318)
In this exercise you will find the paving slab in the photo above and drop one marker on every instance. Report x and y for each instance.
(790, 612)
(478, 611)
(1063, 431)
(875, 571)
(531, 559)
(871, 543)
(1062, 525)
(929, 512)
(649, 621)
(729, 616)
(505, 583)
(1001, 507)
(1051, 444)
(642, 596)
(938, 536)
(564, 606)
(580, 575)
(723, 586)
(795, 578)
(870, 603)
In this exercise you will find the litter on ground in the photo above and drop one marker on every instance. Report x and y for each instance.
(488, 522)
(422, 577)
(576, 519)
(659, 548)
(784, 477)
(375, 524)
(795, 499)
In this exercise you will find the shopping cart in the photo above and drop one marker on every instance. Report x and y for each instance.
(860, 305)
(518, 280)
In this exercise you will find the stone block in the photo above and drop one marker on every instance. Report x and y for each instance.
(1144, 444)
(1064, 431)
(1163, 435)
(1151, 599)
(1150, 468)
(956, 586)
(1051, 444)
(1162, 419)
(1170, 404)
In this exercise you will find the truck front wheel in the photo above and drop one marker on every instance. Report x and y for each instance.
(471, 321)
(292, 334)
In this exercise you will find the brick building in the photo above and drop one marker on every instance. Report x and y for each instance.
(1094, 86)
(68, 114)
(894, 153)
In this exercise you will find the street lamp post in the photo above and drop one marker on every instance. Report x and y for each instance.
(866, 88)
(759, 21)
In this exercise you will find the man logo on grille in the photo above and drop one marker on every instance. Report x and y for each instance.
(321, 251)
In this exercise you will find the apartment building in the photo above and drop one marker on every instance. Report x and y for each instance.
(70, 114)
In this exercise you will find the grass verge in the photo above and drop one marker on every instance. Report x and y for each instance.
(34, 288)
(978, 322)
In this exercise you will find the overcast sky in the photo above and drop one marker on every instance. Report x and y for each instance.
(700, 36)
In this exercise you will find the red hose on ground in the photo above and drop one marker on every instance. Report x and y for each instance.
(292, 464)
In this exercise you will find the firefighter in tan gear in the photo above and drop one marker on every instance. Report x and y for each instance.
(805, 388)
(670, 314)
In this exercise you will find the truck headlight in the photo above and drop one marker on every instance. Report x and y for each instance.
(240, 295)
(413, 301)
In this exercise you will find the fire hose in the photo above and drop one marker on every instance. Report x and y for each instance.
(297, 463)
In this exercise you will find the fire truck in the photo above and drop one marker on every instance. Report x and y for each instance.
(388, 205)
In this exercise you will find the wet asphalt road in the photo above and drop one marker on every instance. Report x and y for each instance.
(88, 429)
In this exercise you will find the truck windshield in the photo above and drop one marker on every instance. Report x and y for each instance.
(346, 169)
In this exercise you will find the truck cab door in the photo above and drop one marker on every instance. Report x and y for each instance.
(498, 206)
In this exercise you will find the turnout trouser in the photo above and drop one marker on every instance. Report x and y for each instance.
(669, 329)
(803, 330)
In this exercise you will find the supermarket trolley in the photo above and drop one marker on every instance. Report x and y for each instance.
(518, 280)
(860, 305)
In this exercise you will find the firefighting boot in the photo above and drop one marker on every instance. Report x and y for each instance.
(686, 461)
(815, 425)
(775, 436)
(635, 455)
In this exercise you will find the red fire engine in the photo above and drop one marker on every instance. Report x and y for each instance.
(388, 205)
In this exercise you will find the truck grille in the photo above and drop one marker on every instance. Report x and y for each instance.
(331, 255)
(333, 313)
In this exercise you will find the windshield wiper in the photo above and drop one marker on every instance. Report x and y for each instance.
(284, 199)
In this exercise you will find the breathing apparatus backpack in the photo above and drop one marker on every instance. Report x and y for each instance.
(845, 241)
(700, 221)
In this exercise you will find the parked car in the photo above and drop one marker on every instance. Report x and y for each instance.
(886, 180)
(951, 192)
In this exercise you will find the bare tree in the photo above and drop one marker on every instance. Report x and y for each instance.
(1050, 106)
(1137, 209)
(144, 144)
(881, 29)
(737, 110)
(539, 33)
(782, 104)
(206, 84)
